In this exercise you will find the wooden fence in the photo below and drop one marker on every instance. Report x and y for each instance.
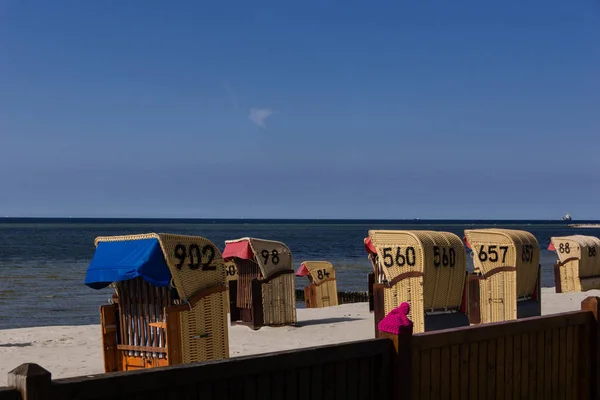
(549, 357)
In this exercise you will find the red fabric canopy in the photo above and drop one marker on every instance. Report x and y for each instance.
(238, 249)
(302, 271)
(551, 247)
(369, 246)
(466, 241)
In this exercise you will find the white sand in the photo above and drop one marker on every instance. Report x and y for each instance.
(68, 351)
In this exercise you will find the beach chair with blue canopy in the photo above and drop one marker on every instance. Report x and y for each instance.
(169, 305)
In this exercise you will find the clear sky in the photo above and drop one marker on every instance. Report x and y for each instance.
(312, 109)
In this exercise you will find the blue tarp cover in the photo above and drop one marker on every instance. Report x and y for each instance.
(128, 259)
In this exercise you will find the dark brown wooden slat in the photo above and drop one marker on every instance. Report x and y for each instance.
(446, 372)
(500, 368)
(555, 337)
(435, 374)
(364, 378)
(316, 382)
(464, 371)
(482, 369)
(548, 378)
(250, 387)
(491, 370)
(263, 386)
(291, 384)
(473, 369)
(329, 381)
(416, 374)
(221, 390)
(532, 365)
(541, 364)
(569, 367)
(508, 367)
(278, 385)
(517, 373)
(352, 373)
(425, 373)
(341, 381)
(455, 372)
(562, 363)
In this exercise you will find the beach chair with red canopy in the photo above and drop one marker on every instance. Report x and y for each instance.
(265, 294)
(426, 269)
(169, 305)
(578, 266)
(506, 281)
(322, 288)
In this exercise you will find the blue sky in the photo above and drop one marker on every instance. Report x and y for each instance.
(314, 109)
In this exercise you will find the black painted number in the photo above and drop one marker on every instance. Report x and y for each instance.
(564, 248)
(444, 257)
(230, 270)
(592, 251)
(527, 253)
(492, 254)
(322, 273)
(195, 255)
(399, 258)
(274, 256)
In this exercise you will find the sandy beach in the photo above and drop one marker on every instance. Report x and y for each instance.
(69, 351)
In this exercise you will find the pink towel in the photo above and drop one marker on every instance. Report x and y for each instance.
(397, 321)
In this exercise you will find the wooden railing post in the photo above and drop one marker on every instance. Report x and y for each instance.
(401, 376)
(31, 381)
(592, 303)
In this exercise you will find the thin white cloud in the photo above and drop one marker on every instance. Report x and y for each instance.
(259, 115)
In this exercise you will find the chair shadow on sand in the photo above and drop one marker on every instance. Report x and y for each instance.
(16, 344)
(301, 324)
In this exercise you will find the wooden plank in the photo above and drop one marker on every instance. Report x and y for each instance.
(416, 374)
(532, 365)
(540, 365)
(316, 382)
(454, 372)
(174, 351)
(508, 367)
(569, 367)
(329, 381)
(446, 372)
(464, 371)
(9, 394)
(249, 383)
(352, 374)
(108, 318)
(341, 381)
(263, 386)
(425, 373)
(500, 368)
(435, 379)
(304, 383)
(577, 370)
(562, 363)
(449, 337)
(482, 370)
(491, 370)
(473, 369)
(221, 390)
(548, 378)
(555, 333)
(517, 367)
(525, 358)
(364, 378)
(291, 384)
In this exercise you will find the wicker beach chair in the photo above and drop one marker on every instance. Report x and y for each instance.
(169, 305)
(322, 288)
(505, 283)
(427, 269)
(578, 266)
(265, 294)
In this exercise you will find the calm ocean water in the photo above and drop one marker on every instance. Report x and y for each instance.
(43, 261)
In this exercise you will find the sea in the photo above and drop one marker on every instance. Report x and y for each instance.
(43, 261)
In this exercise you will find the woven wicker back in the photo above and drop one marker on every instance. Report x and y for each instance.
(439, 256)
(320, 270)
(501, 248)
(582, 249)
